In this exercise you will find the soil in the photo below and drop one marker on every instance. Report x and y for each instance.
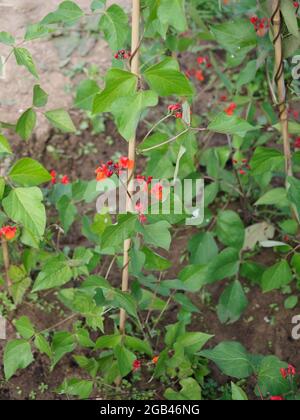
(264, 328)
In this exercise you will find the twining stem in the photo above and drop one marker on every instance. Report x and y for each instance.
(135, 64)
(6, 262)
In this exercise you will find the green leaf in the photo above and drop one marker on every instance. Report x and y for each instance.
(116, 234)
(238, 394)
(294, 192)
(166, 79)
(68, 12)
(128, 110)
(108, 342)
(291, 302)
(119, 83)
(36, 31)
(97, 4)
(6, 38)
(125, 359)
(24, 58)
(137, 345)
(17, 355)
(4, 145)
(76, 387)
(25, 327)
(290, 17)
(277, 276)
(232, 303)
(28, 172)
(230, 229)
(225, 265)
(193, 342)
(26, 124)
(54, 274)
(232, 358)
(61, 119)
(173, 14)
(248, 74)
(276, 196)
(114, 24)
(266, 160)
(157, 234)
(24, 205)
(237, 37)
(67, 212)
(203, 248)
(85, 95)
(270, 380)
(226, 124)
(190, 391)
(62, 344)
(40, 97)
(154, 261)
(43, 346)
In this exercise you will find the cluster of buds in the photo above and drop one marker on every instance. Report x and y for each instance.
(123, 55)
(223, 98)
(107, 170)
(297, 143)
(242, 166)
(8, 232)
(65, 180)
(230, 109)
(137, 364)
(289, 372)
(176, 110)
(261, 26)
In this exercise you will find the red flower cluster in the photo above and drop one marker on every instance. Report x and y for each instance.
(297, 143)
(230, 110)
(157, 191)
(277, 398)
(261, 26)
(136, 365)
(122, 55)
(176, 109)
(294, 113)
(107, 170)
(290, 371)
(8, 232)
(65, 180)
(204, 60)
(243, 166)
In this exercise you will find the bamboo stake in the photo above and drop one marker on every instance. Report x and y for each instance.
(6, 262)
(279, 79)
(135, 67)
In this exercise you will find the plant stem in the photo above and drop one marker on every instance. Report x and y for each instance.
(281, 91)
(135, 64)
(6, 262)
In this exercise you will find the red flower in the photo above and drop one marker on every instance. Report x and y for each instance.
(53, 176)
(283, 373)
(254, 20)
(277, 398)
(143, 219)
(126, 163)
(292, 370)
(230, 110)
(8, 232)
(136, 365)
(223, 98)
(242, 172)
(155, 359)
(103, 172)
(200, 76)
(201, 60)
(65, 180)
(296, 4)
(157, 191)
(297, 143)
(174, 107)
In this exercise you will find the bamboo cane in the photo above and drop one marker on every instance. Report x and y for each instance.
(135, 64)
